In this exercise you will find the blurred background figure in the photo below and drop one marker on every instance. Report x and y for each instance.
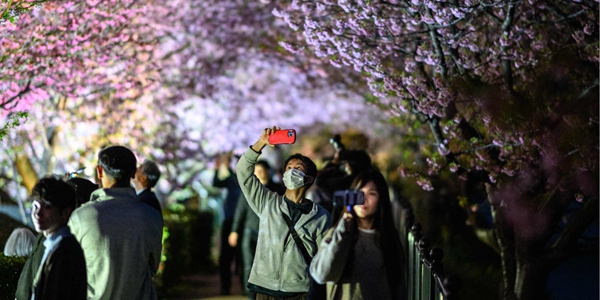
(245, 224)
(338, 174)
(226, 178)
(145, 179)
(83, 188)
(19, 243)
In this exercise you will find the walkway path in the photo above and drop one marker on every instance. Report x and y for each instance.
(206, 287)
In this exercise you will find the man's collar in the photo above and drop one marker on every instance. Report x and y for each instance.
(60, 232)
(111, 193)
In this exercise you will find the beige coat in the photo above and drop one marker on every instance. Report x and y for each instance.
(121, 239)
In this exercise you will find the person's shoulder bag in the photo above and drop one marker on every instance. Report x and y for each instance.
(316, 291)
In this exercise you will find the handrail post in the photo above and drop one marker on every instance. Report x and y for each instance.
(452, 285)
(437, 272)
(414, 263)
(425, 271)
(425, 288)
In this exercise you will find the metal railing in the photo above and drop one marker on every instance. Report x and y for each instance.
(425, 272)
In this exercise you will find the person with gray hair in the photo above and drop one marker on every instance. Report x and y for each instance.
(145, 179)
(20, 242)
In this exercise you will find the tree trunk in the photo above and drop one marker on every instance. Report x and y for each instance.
(506, 243)
(29, 178)
(527, 259)
(25, 169)
(50, 148)
(529, 280)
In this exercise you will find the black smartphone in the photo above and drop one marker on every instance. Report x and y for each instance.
(348, 198)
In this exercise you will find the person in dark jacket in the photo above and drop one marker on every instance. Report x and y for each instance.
(62, 271)
(146, 177)
(30, 269)
(83, 189)
(226, 178)
(337, 175)
(245, 223)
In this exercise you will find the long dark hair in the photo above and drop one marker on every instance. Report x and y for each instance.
(387, 235)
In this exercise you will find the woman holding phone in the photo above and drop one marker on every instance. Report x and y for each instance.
(361, 257)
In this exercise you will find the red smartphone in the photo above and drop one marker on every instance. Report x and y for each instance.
(282, 136)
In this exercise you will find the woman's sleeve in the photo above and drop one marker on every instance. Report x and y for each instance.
(329, 262)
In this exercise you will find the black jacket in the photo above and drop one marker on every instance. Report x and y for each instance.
(63, 276)
(30, 269)
(148, 197)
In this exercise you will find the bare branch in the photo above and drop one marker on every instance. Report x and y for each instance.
(571, 233)
(27, 88)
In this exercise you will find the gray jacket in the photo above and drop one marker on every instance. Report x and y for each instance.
(121, 239)
(278, 263)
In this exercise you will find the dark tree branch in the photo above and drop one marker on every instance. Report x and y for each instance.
(571, 233)
(17, 96)
(438, 47)
(506, 63)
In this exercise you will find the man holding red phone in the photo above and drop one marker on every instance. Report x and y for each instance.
(280, 271)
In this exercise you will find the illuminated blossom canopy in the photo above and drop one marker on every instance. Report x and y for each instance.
(509, 89)
(177, 81)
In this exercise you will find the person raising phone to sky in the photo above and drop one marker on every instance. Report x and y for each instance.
(362, 258)
(281, 269)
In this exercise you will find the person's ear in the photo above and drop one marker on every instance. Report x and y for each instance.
(99, 171)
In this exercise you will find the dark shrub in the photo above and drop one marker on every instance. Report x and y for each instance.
(10, 270)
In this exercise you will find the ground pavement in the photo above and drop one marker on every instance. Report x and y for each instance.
(206, 287)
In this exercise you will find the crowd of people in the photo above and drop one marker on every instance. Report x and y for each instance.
(96, 241)
(289, 248)
(104, 241)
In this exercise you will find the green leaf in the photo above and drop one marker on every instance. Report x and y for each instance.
(14, 120)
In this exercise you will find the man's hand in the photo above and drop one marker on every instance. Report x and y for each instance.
(264, 139)
(233, 237)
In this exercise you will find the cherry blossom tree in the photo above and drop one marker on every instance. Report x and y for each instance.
(63, 136)
(179, 77)
(509, 89)
(75, 49)
(505, 86)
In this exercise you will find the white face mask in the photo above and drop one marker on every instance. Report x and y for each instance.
(293, 179)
